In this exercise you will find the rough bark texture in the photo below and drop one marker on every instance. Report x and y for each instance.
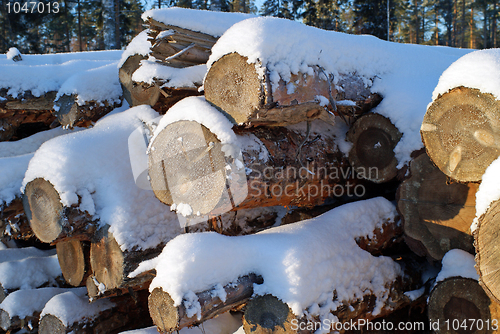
(74, 260)
(461, 133)
(374, 138)
(487, 251)
(169, 318)
(283, 167)
(15, 223)
(13, 324)
(234, 85)
(436, 214)
(129, 313)
(459, 305)
(49, 219)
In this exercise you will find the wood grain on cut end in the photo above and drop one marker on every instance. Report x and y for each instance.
(162, 310)
(458, 299)
(374, 138)
(467, 135)
(234, 85)
(267, 314)
(186, 165)
(436, 214)
(43, 208)
(106, 260)
(488, 251)
(4, 320)
(136, 93)
(73, 255)
(50, 324)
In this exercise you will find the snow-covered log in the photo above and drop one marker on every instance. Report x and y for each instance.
(21, 309)
(436, 214)
(71, 312)
(195, 152)
(373, 139)
(169, 317)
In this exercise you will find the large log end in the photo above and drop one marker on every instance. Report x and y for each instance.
(162, 311)
(267, 314)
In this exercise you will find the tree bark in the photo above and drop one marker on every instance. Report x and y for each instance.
(485, 242)
(436, 214)
(16, 225)
(372, 155)
(285, 167)
(74, 259)
(234, 85)
(461, 133)
(461, 303)
(169, 318)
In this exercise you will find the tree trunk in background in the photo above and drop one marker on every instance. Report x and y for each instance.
(109, 28)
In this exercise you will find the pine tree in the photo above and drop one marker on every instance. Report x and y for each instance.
(371, 17)
(277, 8)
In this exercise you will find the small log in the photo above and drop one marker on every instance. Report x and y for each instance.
(374, 138)
(459, 305)
(121, 314)
(284, 168)
(136, 93)
(74, 258)
(71, 114)
(461, 133)
(49, 219)
(436, 214)
(234, 85)
(485, 242)
(168, 317)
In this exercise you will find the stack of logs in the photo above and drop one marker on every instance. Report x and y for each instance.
(435, 194)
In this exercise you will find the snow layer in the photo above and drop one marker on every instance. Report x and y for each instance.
(139, 45)
(488, 191)
(14, 159)
(43, 73)
(208, 22)
(405, 75)
(97, 84)
(16, 254)
(29, 273)
(222, 324)
(73, 306)
(301, 263)
(479, 69)
(23, 303)
(457, 263)
(94, 165)
(188, 77)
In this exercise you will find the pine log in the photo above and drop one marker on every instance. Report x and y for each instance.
(461, 133)
(459, 305)
(71, 114)
(169, 318)
(485, 242)
(74, 259)
(49, 219)
(285, 167)
(436, 214)
(12, 324)
(129, 312)
(374, 138)
(234, 85)
(136, 93)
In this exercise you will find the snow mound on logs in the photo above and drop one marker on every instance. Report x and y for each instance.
(405, 75)
(301, 263)
(488, 191)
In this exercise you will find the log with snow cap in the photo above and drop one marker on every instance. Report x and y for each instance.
(71, 312)
(460, 130)
(200, 166)
(436, 214)
(321, 254)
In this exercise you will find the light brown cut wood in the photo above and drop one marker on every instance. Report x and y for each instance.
(436, 214)
(235, 86)
(459, 305)
(284, 167)
(169, 318)
(136, 93)
(71, 114)
(461, 133)
(487, 251)
(74, 259)
(111, 266)
(374, 138)
(49, 219)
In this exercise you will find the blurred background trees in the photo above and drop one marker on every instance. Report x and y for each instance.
(111, 24)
